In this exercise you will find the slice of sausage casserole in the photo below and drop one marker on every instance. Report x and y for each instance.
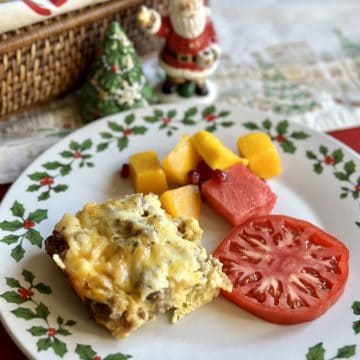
(129, 261)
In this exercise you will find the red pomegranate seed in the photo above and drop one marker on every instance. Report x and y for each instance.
(204, 170)
(194, 177)
(220, 176)
(125, 171)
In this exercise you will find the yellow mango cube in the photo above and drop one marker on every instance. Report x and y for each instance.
(184, 201)
(146, 174)
(264, 159)
(180, 161)
(214, 152)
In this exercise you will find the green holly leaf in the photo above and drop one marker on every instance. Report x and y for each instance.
(158, 113)
(139, 130)
(349, 167)
(343, 195)
(60, 188)
(346, 352)
(122, 143)
(65, 169)
(311, 155)
(357, 223)
(115, 126)
(129, 119)
(355, 195)
(171, 114)
(59, 347)
(44, 196)
(52, 165)
(251, 126)
(211, 128)
(102, 147)
(209, 110)
(223, 113)
(188, 121)
(24, 313)
(60, 320)
(43, 344)
(356, 326)
(318, 168)
(106, 135)
(169, 133)
(28, 276)
(33, 187)
(227, 123)
(11, 225)
(299, 135)
(191, 112)
(12, 297)
(316, 352)
(266, 124)
(34, 237)
(38, 176)
(338, 156)
(323, 150)
(17, 252)
(9, 239)
(282, 127)
(86, 156)
(90, 164)
(288, 146)
(12, 282)
(37, 330)
(67, 154)
(42, 311)
(70, 323)
(86, 145)
(38, 215)
(117, 356)
(43, 289)
(151, 119)
(74, 146)
(356, 307)
(63, 332)
(341, 176)
(85, 352)
(17, 209)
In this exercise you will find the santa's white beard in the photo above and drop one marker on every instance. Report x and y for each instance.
(191, 25)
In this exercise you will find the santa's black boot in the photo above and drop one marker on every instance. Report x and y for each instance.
(202, 90)
(168, 87)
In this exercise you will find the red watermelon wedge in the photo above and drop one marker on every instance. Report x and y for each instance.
(241, 197)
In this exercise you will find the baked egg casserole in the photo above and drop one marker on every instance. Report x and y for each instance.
(129, 261)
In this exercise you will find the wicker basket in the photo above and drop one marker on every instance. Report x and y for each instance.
(41, 62)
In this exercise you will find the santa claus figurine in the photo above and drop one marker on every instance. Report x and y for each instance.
(191, 49)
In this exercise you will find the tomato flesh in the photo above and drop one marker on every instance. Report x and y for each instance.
(283, 270)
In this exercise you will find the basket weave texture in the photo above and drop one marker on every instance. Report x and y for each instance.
(42, 62)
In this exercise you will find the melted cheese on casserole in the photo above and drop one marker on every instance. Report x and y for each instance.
(129, 258)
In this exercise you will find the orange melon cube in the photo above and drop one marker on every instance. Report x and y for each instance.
(264, 159)
(146, 174)
(181, 159)
(184, 201)
(214, 152)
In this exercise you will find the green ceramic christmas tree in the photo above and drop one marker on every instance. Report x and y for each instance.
(116, 81)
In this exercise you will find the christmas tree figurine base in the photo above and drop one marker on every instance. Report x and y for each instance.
(176, 98)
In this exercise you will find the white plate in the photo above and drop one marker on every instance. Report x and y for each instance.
(320, 183)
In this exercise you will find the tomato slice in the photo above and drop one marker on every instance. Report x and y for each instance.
(283, 270)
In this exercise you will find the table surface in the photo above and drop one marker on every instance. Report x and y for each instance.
(8, 350)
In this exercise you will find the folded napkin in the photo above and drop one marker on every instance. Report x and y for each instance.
(15, 14)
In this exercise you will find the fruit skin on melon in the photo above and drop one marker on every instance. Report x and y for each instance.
(242, 196)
